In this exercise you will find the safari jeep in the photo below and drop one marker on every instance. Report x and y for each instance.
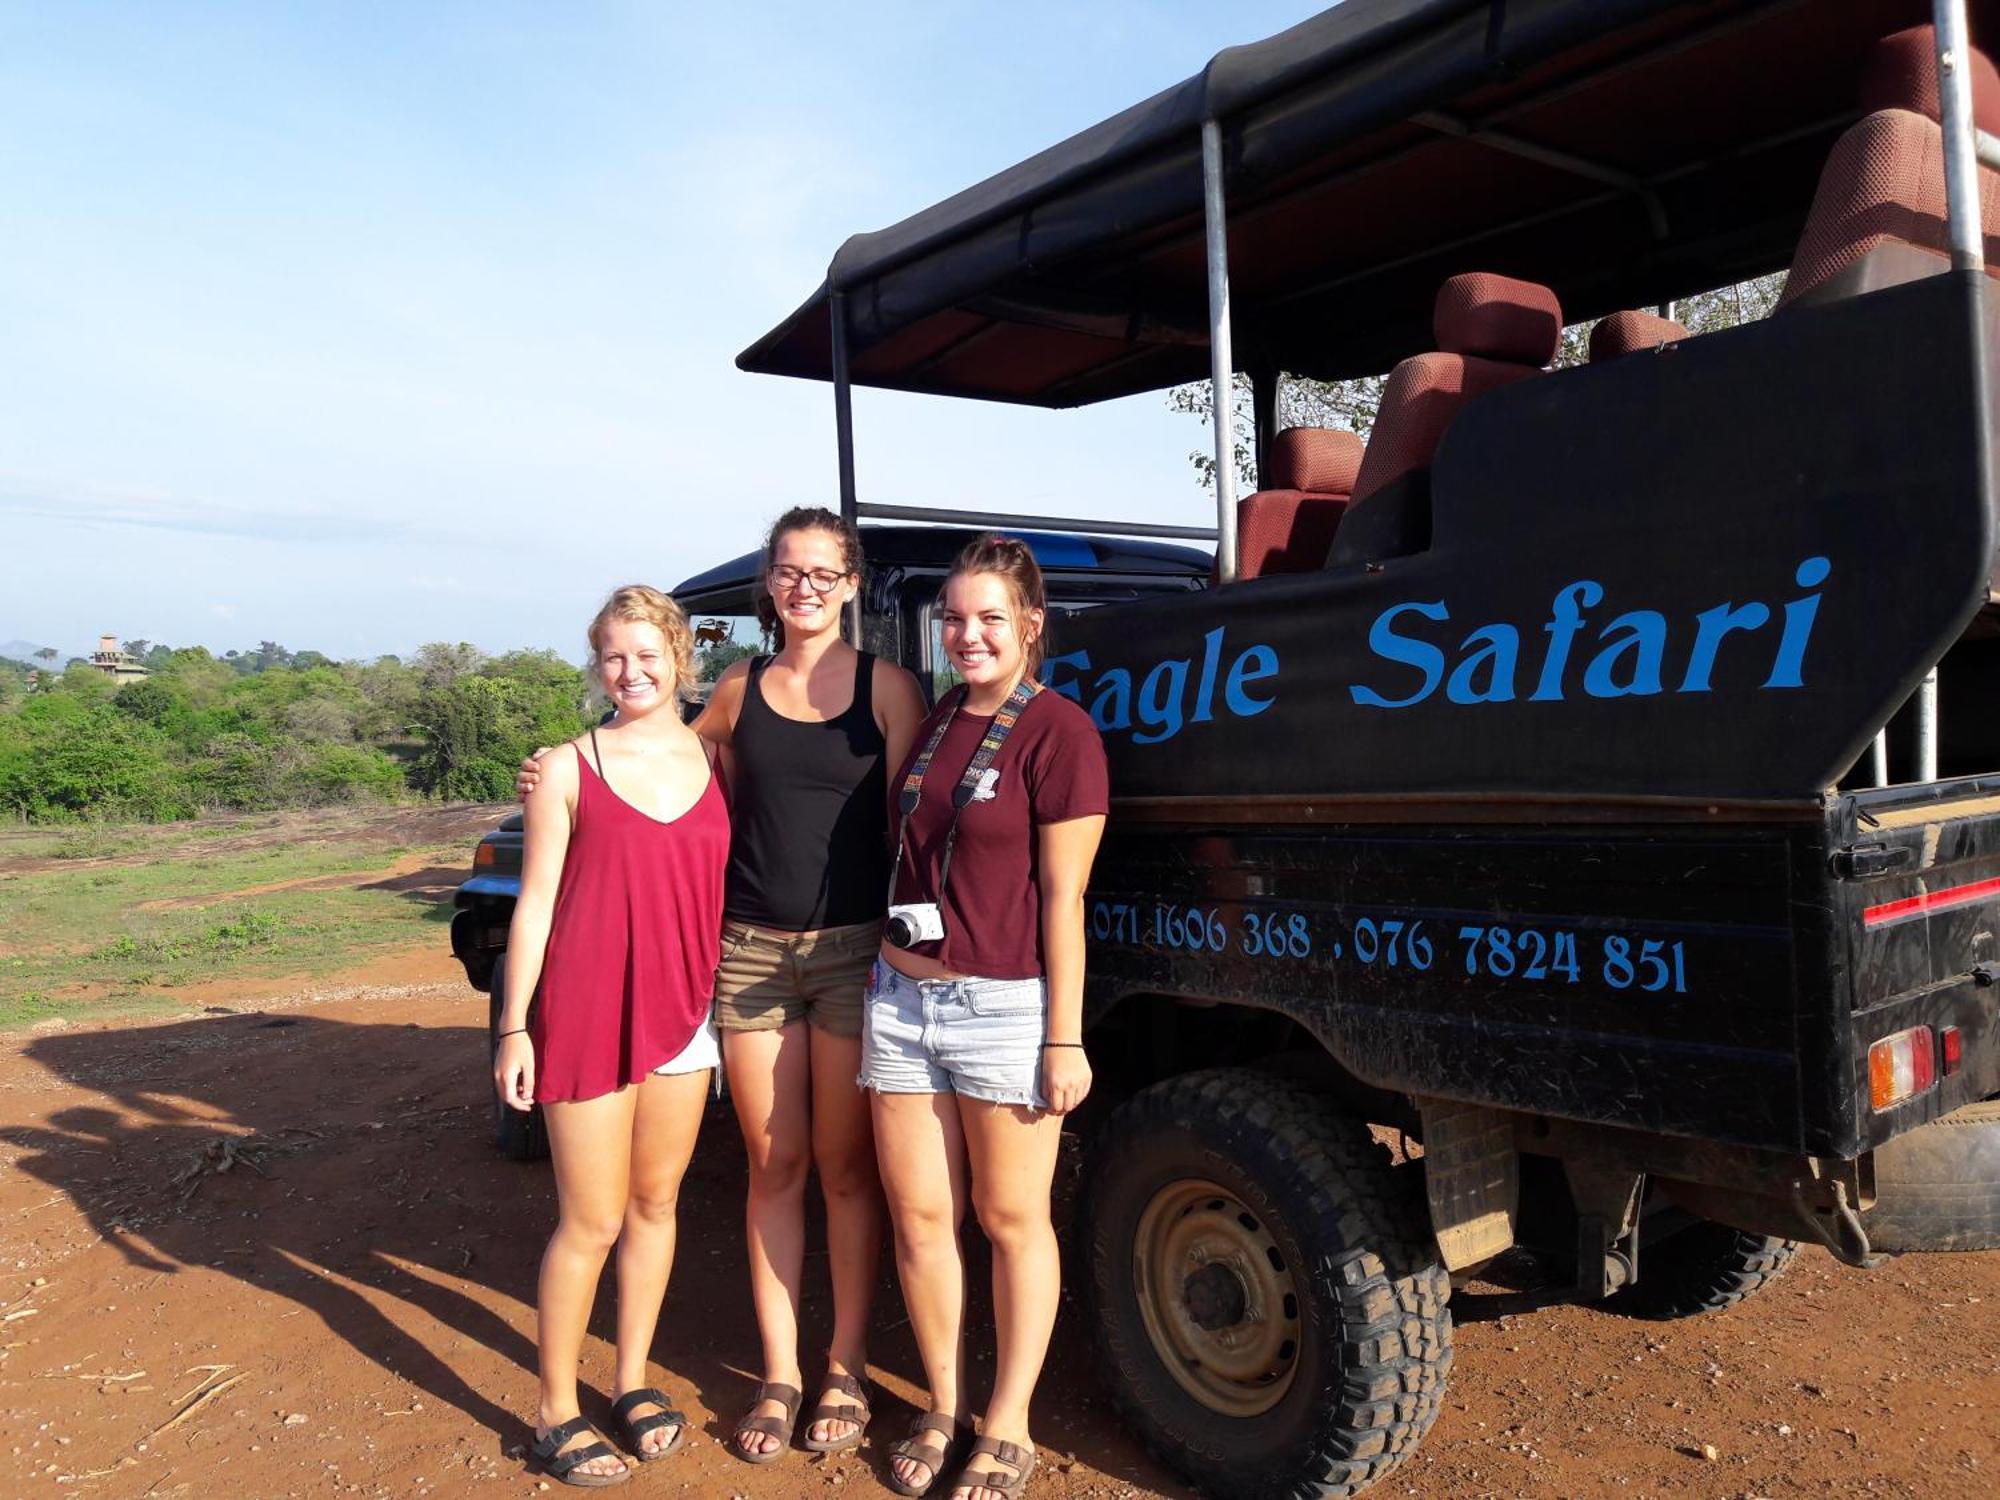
(1591, 783)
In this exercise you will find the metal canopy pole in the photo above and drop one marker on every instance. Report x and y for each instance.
(1016, 521)
(1927, 727)
(1222, 364)
(1878, 758)
(1961, 150)
(1264, 406)
(843, 437)
(1963, 222)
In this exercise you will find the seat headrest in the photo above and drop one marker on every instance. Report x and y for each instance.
(1497, 317)
(1629, 332)
(1318, 460)
(1901, 73)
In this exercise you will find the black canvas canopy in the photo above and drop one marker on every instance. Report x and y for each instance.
(1621, 151)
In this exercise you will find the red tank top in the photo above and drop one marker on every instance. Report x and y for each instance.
(637, 933)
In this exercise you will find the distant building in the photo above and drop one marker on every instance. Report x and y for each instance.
(121, 666)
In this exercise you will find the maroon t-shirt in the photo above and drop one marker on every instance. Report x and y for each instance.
(1050, 769)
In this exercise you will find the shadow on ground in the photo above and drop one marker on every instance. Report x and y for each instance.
(346, 1167)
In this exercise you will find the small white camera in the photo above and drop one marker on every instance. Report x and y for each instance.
(916, 922)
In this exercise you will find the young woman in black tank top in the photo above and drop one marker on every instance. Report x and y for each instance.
(809, 739)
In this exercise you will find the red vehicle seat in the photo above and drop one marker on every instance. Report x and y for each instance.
(1624, 333)
(1878, 217)
(1288, 526)
(1492, 331)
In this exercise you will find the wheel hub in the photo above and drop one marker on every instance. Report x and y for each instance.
(1217, 1297)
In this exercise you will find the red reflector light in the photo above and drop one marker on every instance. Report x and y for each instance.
(1901, 1066)
(484, 855)
(1954, 1049)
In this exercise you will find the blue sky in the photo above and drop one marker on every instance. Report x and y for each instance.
(359, 325)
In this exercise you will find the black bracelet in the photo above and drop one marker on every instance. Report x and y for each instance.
(517, 1031)
(1077, 1045)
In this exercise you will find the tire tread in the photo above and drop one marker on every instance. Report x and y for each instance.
(1354, 1218)
(1703, 1269)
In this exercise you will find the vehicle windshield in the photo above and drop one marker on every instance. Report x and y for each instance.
(725, 630)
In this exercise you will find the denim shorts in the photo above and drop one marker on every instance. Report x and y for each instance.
(978, 1037)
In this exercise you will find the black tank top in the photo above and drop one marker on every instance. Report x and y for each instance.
(810, 843)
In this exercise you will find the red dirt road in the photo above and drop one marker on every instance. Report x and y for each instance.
(270, 1253)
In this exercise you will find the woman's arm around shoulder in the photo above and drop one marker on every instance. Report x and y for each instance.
(716, 722)
(899, 711)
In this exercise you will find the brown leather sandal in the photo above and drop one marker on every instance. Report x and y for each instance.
(856, 1410)
(787, 1396)
(1020, 1460)
(935, 1456)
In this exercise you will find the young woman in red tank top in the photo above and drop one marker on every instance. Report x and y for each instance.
(616, 925)
(809, 738)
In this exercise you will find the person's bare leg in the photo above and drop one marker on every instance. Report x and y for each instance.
(664, 1127)
(770, 1082)
(1013, 1155)
(590, 1143)
(920, 1148)
(844, 1156)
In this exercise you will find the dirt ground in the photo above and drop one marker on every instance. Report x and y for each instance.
(269, 1252)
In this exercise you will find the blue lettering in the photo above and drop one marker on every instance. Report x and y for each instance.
(1069, 687)
(1565, 620)
(1499, 646)
(1160, 701)
(1799, 614)
(1254, 665)
(1711, 625)
(1112, 707)
(1645, 640)
(1385, 643)
(1204, 694)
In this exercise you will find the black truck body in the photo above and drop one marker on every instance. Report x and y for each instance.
(1562, 749)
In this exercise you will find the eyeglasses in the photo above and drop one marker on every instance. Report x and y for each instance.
(820, 580)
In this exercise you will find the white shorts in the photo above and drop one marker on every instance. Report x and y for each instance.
(702, 1051)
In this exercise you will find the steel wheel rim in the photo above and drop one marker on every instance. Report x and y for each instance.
(1217, 1297)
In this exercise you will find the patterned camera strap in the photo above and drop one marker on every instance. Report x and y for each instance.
(975, 769)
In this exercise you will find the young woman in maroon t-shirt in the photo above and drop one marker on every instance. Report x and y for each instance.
(973, 1037)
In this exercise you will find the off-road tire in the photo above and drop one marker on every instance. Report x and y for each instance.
(1938, 1187)
(519, 1136)
(1704, 1268)
(1339, 1224)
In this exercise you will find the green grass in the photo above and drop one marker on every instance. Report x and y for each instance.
(86, 842)
(104, 939)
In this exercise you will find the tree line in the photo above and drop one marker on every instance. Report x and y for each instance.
(270, 728)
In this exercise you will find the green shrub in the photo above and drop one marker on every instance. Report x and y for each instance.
(75, 760)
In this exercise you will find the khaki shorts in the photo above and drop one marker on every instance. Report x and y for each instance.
(768, 979)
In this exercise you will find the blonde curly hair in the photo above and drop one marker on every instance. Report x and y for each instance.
(646, 605)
